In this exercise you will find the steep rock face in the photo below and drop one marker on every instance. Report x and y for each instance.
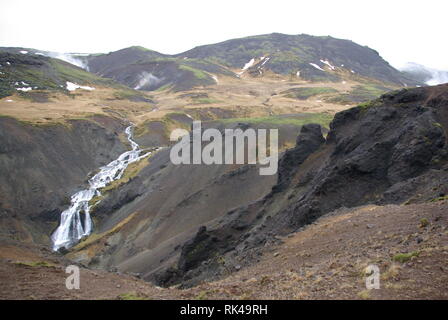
(392, 150)
(42, 166)
(309, 140)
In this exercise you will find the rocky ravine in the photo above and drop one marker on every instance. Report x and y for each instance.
(391, 150)
(41, 166)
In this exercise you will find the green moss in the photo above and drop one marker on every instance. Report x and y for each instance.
(439, 199)
(202, 295)
(320, 118)
(424, 222)
(69, 73)
(360, 94)
(204, 101)
(436, 124)
(165, 87)
(404, 257)
(304, 93)
(365, 294)
(35, 264)
(132, 296)
(196, 72)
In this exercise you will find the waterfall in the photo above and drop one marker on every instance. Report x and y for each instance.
(76, 222)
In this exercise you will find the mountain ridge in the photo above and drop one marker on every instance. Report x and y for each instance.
(312, 58)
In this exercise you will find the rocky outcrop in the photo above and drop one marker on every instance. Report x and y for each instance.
(391, 150)
(309, 140)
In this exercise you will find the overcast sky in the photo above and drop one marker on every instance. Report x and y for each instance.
(400, 31)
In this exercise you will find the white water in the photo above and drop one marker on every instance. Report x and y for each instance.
(72, 228)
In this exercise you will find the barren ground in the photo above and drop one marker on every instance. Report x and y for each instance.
(326, 260)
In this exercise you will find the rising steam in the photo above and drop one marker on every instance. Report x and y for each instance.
(147, 80)
(427, 75)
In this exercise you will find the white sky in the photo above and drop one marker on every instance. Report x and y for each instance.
(400, 31)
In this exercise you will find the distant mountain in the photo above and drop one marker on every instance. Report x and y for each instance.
(315, 58)
(424, 74)
(26, 71)
(144, 69)
(310, 57)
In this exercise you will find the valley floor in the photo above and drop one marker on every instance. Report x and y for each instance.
(326, 260)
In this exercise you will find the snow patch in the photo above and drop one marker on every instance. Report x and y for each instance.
(215, 78)
(73, 86)
(265, 60)
(9, 100)
(316, 66)
(24, 89)
(298, 74)
(328, 64)
(249, 64)
(23, 51)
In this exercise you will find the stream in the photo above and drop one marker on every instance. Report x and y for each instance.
(76, 222)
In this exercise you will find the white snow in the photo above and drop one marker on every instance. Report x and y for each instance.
(246, 66)
(23, 52)
(8, 63)
(9, 100)
(328, 64)
(39, 54)
(316, 66)
(24, 89)
(249, 64)
(352, 71)
(215, 78)
(298, 74)
(73, 86)
(265, 60)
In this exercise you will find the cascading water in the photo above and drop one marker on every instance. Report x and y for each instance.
(72, 227)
